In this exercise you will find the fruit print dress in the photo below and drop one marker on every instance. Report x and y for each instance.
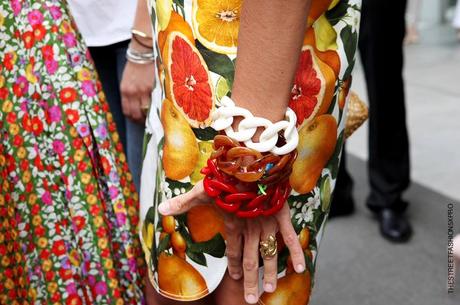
(68, 207)
(196, 43)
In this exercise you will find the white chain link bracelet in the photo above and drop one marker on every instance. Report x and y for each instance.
(223, 120)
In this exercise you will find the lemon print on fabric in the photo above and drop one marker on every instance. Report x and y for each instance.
(317, 142)
(180, 152)
(164, 9)
(180, 280)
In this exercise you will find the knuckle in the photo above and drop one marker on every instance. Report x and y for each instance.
(235, 265)
(126, 89)
(290, 240)
(249, 265)
(230, 226)
(147, 89)
(177, 204)
(270, 276)
(233, 254)
(250, 285)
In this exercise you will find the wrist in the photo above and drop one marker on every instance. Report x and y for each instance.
(136, 46)
(140, 57)
(224, 119)
(269, 106)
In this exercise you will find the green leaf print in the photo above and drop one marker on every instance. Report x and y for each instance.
(197, 257)
(350, 42)
(178, 187)
(349, 69)
(325, 193)
(214, 247)
(334, 162)
(145, 142)
(337, 13)
(180, 5)
(310, 267)
(205, 134)
(218, 63)
(150, 217)
(282, 259)
(164, 244)
(179, 2)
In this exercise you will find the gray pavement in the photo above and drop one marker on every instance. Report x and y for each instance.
(356, 265)
(432, 74)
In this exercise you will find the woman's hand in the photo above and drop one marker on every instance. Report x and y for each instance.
(243, 239)
(136, 88)
(138, 80)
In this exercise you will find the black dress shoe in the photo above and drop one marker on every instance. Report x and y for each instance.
(394, 226)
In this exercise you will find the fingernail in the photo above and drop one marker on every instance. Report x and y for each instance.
(268, 287)
(299, 268)
(163, 208)
(251, 299)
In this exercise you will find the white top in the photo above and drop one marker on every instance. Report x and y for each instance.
(103, 22)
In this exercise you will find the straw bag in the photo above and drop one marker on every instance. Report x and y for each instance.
(357, 114)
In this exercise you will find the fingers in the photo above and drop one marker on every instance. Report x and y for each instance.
(136, 111)
(126, 105)
(145, 105)
(182, 203)
(269, 228)
(290, 239)
(234, 251)
(251, 261)
(136, 88)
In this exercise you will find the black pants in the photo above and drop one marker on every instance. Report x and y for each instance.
(380, 47)
(110, 62)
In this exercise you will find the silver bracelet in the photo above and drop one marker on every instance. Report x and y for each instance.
(139, 57)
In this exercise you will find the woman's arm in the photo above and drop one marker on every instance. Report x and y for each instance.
(138, 79)
(269, 45)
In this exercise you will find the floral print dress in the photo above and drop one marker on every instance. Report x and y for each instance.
(196, 42)
(68, 207)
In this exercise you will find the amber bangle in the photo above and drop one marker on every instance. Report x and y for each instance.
(140, 34)
(136, 39)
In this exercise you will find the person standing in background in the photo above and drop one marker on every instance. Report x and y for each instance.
(380, 46)
(106, 29)
(456, 21)
(413, 16)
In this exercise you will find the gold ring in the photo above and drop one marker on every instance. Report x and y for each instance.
(145, 109)
(268, 248)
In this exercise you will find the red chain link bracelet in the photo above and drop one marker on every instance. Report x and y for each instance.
(246, 182)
